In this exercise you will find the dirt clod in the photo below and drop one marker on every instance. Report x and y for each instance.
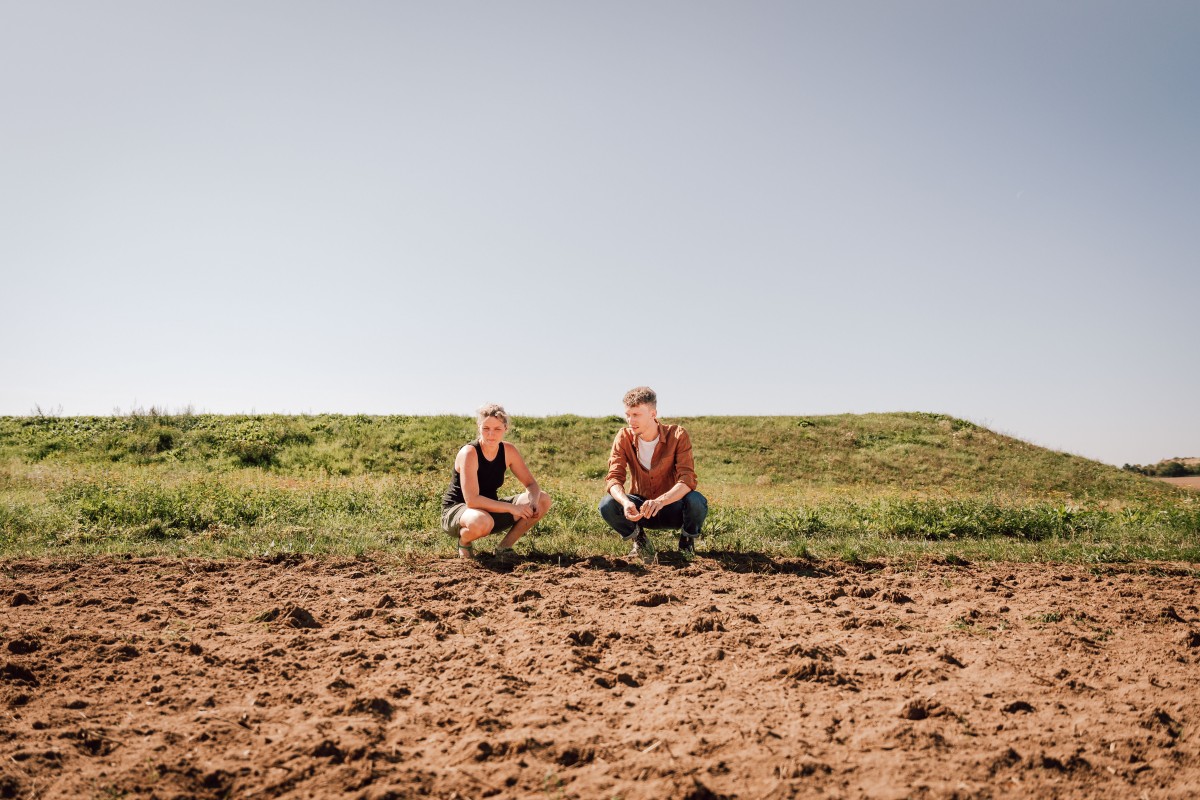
(21, 647)
(655, 599)
(1169, 614)
(290, 616)
(1018, 707)
(18, 674)
(920, 708)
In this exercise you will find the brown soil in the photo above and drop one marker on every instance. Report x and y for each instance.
(734, 677)
(1189, 482)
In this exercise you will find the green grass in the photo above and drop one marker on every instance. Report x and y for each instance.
(855, 487)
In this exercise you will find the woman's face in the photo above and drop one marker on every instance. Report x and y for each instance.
(492, 430)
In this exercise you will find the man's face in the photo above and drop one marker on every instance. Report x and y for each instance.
(642, 418)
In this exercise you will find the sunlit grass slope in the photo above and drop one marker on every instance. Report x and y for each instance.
(855, 486)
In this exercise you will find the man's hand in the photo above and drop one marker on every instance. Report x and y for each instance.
(651, 507)
(631, 511)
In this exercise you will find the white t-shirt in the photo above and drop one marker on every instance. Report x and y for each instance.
(646, 451)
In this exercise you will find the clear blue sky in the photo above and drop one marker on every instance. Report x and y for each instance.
(986, 209)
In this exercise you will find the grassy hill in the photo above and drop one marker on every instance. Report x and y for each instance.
(852, 485)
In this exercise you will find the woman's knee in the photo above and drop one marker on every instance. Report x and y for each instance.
(477, 525)
(543, 506)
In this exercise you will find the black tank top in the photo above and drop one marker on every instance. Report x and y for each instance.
(490, 476)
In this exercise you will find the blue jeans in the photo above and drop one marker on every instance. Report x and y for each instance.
(687, 515)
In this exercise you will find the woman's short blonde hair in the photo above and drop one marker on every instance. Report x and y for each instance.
(491, 410)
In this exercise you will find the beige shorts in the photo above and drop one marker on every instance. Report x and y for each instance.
(501, 521)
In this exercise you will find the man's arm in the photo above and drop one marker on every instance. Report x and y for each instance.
(615, 481)
(685, 462)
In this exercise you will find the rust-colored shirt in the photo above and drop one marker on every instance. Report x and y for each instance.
(671, 463)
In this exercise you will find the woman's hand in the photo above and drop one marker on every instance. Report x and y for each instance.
(521, 511)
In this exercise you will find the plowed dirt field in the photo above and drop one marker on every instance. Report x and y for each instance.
(735, 676)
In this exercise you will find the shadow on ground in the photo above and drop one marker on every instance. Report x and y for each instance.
(724, 560)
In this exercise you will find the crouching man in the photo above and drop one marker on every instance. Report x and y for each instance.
(658, 458)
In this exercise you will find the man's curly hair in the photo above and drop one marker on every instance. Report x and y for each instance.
(641, 395)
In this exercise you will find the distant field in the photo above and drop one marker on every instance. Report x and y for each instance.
(1190, 482)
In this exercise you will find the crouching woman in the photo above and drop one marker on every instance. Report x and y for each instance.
(470, 506)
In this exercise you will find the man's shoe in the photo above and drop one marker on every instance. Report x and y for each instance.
(640, 546)
(687, 545)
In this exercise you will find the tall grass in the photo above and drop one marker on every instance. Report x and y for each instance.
(849, 486)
